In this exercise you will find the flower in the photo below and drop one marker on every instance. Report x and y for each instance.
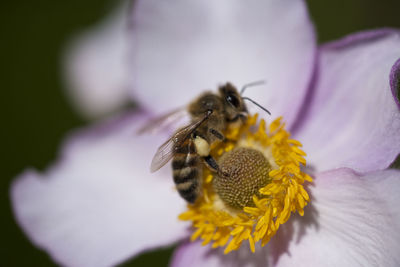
(261, 188)
(98, 204)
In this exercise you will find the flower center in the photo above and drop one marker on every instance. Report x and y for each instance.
(261, 185)
(247, 171)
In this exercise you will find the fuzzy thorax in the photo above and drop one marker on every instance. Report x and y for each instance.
(263, 185)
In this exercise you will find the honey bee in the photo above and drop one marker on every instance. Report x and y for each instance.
(189, 147)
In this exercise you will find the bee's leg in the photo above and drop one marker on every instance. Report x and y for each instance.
(213, 165)
(219, 135)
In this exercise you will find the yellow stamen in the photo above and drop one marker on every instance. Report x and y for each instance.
(281, 194)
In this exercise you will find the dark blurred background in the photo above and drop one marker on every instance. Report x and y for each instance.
(36, 114)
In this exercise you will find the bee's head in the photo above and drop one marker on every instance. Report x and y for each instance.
(234, 101)
(234, 106)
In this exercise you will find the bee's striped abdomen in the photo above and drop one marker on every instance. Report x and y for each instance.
(186, 171)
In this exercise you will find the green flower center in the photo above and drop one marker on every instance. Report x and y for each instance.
(247, 171)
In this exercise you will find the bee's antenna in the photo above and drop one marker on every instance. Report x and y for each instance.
(250, 85)
(258, 105)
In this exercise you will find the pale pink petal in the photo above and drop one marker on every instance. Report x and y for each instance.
(193, 254)
(98, 204)
(96, 66)
(353, 220)
(395, 81)
(183, 47)
(353, 120)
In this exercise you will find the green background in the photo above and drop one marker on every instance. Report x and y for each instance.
(35, 112)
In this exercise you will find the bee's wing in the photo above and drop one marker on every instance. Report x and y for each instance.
(166, 151)
(159, 124)
(164, 154)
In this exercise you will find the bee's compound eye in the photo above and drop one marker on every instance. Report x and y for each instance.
(233, 100)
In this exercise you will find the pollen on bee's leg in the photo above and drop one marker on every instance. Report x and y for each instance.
(260, 184)
(202, 146)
